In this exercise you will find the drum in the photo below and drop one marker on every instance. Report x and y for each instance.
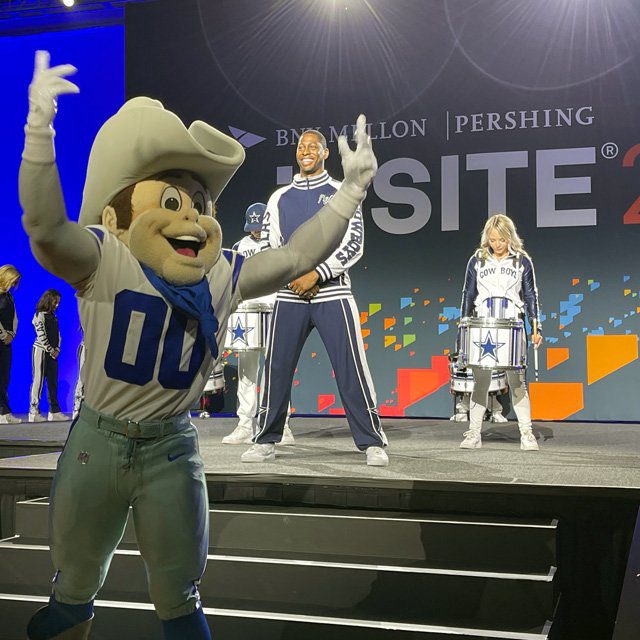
(248, 327)
(462, 381)
(499, 308)
(489, 343)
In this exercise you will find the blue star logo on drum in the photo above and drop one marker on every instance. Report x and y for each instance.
(489, 347)
(239, 332)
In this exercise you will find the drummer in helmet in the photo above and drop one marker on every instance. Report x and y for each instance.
(249, 359)
(500, 269)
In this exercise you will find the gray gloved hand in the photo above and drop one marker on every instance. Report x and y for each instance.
(46, 85)
(359, 166)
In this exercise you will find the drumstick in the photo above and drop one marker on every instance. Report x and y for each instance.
(535, 349)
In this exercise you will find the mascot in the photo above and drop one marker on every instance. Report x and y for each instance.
(154, 291)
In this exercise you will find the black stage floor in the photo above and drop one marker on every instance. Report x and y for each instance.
(590, 456)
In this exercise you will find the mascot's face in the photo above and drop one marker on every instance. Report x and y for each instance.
(172, 230)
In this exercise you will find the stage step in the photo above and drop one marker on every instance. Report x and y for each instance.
(341, 588)
(114, 621)
(496, 544)
(291, 572)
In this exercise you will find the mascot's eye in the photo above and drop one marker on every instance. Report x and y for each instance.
(198, 202)
(171, 199)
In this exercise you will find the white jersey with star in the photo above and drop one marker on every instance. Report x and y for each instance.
(144, 359)
(247, 247)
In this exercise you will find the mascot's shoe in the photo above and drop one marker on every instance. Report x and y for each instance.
(240, 435)
(57, 416)
(472, 440)
(9, 418)
(459, 417)
(260, 453)
(528, 441)
(287, 438)
(190, 627)
(36, 417)
(377, 457)
(59, 621)
(498, 417)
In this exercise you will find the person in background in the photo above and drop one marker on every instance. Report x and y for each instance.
(501, 267)
(9, 279)
(330, 308)
(211, 399)
(78, 392)
(44, 359)
(249, 361)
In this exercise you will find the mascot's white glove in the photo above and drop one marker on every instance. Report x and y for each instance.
(359, 166)
(47, 84)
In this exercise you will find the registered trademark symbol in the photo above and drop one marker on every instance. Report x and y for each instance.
(609, 150)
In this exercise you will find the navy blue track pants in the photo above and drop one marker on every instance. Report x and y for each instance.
(338, 324)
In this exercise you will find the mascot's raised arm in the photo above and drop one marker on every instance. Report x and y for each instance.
(154, 291)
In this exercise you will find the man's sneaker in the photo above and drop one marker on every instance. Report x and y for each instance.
(57, 416)
(472, 440)
(204, 415)
(9, 418)
(260, 453)
(377, 457)
(498, 417)
(36, 417)
(287, 437)
(240, 435)
(459, 417)
(528, 441)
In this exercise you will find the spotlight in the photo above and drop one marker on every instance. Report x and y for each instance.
(68, 3)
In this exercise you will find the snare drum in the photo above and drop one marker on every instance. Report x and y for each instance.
(462, 381)
(248, 327)
(489, 343)
(498, 307)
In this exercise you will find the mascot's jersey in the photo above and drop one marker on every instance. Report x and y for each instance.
(512, 277)
(145, 360)
(291, 206)
(247, 247)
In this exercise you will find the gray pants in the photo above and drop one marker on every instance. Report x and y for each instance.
(519, 398)
(100, 475)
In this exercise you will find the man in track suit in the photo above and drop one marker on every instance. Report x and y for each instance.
(332, 311)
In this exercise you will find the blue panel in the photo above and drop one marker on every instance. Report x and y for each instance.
(99, 55)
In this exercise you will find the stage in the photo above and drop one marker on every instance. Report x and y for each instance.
(594, 457)
(535, 543)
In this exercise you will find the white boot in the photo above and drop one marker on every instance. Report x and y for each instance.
(287, 437)
(472, 440)
(240, 435)
(260, 453)
(528, 441)
(9, 418)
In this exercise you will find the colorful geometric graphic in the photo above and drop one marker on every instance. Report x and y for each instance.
(556, 356)
(325, 400)
(555, 400)
(416, 384)
(606, 354)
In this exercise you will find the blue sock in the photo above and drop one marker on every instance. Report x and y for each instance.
(57, 617)
(193, 626)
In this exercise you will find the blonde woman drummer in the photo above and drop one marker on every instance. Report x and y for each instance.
(501, 268)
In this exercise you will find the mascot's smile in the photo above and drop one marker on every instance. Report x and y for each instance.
(186, 245)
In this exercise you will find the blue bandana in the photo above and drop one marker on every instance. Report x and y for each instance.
(194, 300)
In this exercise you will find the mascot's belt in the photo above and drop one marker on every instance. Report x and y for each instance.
(136, 430)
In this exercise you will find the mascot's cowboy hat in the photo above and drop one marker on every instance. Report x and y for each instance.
(143, 139)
